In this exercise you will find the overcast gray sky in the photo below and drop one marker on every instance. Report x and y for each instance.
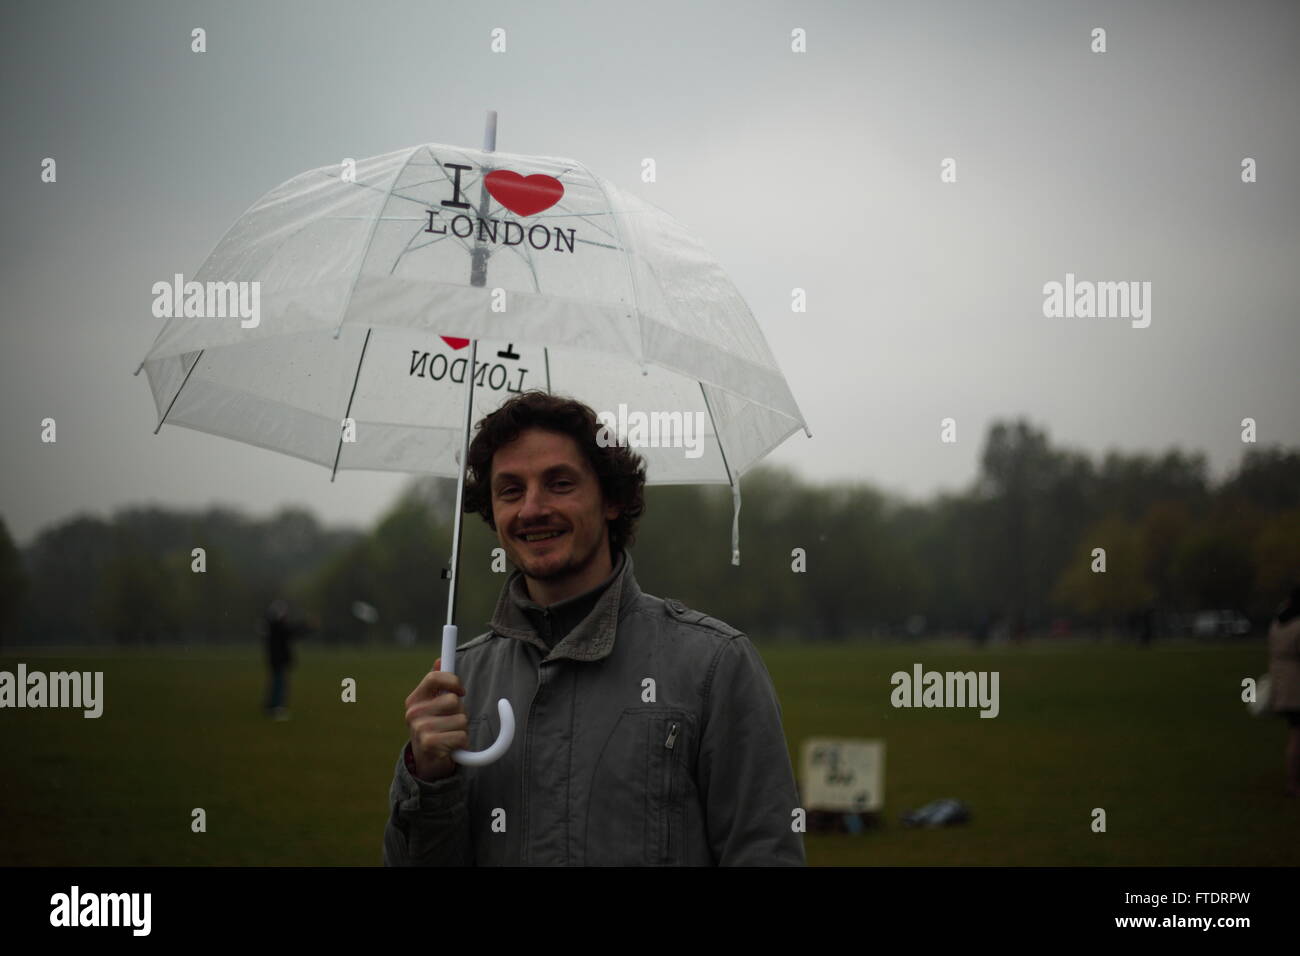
(817, 170)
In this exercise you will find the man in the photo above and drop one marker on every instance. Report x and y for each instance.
(647, 733)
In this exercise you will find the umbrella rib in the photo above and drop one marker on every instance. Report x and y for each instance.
(602, 245)
(423, 245)
(411, 248)
(370, 186)
(631, 276)
(374, 226)
(427, 182)
(717, 433)
(735, 484)
(387, 192)
(178, 391)
(583, 215)
(408, 248)
(527, 260)
(339, 451)
(151, 348)
(418, 202)
(607, 211)
(390, 194)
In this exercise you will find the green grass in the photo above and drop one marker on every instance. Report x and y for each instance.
(1158, 738)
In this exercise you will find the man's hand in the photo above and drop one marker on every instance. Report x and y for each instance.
(438, 723)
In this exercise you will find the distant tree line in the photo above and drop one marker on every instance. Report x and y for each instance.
(1020, 547)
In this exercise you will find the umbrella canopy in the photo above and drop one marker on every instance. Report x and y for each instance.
(363, 284)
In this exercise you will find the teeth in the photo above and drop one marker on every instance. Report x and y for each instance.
(541, 536)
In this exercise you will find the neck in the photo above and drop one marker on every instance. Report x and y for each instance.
(556, 590)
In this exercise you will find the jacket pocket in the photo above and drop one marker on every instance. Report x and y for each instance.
(636, 806)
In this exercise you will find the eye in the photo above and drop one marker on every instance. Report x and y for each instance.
(509, 491)
(562, 484)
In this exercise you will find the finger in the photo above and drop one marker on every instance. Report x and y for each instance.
(443, 679)
(440, 724)
(437, 682)
(432, 742)
(442, 705)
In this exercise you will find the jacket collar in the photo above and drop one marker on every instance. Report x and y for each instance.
(593, 637)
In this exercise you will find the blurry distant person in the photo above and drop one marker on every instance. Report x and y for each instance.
(1147, 626)
(280, 631)
(1019, 630)
(1284, 677)
(1142, 625)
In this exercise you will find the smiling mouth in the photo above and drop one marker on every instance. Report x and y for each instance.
(541, 536)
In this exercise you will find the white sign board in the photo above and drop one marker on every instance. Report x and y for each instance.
(843, 774)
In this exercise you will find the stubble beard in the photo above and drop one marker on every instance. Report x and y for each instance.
(570, 568)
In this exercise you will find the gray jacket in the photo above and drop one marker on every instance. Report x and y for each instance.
(650, 735)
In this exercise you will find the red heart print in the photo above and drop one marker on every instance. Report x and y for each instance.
(454, 342)
(524, 195)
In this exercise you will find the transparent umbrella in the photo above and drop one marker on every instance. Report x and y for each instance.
(337, 319)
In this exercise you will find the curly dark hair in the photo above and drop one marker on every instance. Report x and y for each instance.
(621, 472)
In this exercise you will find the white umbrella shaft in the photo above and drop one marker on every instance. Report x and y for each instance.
(449, 630)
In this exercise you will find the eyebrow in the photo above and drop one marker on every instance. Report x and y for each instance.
(548, 473)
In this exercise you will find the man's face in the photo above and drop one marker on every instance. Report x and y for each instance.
(544, 488)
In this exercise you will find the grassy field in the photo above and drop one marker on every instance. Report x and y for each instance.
(1159, 738)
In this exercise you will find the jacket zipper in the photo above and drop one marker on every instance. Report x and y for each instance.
(668, 795)
(527, 759)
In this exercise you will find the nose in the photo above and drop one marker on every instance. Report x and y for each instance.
(534, 507)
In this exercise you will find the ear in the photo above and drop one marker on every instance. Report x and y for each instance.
(612, 512)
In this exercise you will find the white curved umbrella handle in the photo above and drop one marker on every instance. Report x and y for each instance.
(502, 744)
